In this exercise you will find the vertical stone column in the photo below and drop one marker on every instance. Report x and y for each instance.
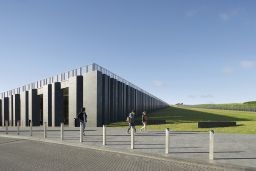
(133, 99)
(92, 97)
(11, 110)
(115, 99)
(75, 85)
(111, 99)
(118, 101)
(16, 109)
(1, 116)
(105, 99)
(24, 109)
(34, 107)
(128, 99)
(57, 104)
(122, 113)
(5, 110)
(47, 104)
(136, 101)
(124, 100)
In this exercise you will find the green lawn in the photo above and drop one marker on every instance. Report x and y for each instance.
(185, 119)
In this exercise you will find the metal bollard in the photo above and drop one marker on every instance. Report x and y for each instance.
(81, 132)
(31, 128)
(132, 138)
(104, 135)
(167, 135)
(18, 127)
(211, 145)
(61, 132)
(45, 130)
(6, 127)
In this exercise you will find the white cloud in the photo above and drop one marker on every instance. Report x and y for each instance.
(248, 64)
(228, 70)
(158, 83)
(226, 16)
(191, 13)
(206, 96)
(191, 96)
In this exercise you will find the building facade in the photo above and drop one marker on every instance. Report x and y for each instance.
(106, 97)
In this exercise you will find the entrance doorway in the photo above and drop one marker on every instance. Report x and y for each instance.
(65, 105)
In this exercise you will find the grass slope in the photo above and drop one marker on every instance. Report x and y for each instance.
(247, 106)
(185, 119)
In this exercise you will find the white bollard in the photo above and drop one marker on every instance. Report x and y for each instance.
(167, 135)
(6, 127)
(104, 135)
(45, 130)
(61, 132)
(31, 128)
(132, 138)
(211, 145)
(81, 132)
(18, 127)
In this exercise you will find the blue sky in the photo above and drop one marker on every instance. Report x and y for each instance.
(181, 51)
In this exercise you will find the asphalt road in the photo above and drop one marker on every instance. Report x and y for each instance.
(18, 154)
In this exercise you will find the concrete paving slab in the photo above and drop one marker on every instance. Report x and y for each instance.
(230, 149)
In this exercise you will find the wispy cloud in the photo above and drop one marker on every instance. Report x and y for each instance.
(191, 13)
(228, 70)
(191, 96)
(226, 16)
(158, 83)
(248, 64)
(206, 96)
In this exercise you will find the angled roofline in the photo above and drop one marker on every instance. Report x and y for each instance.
(72, 73)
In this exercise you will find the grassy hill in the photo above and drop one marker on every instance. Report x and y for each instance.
(250, 103)
(247, 106)
(186, 118)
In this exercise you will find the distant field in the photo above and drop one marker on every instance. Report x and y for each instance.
(185, 119)
(247, 106)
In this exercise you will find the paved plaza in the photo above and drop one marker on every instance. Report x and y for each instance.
(187, 147)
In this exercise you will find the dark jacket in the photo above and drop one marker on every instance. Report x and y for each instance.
(82, 116)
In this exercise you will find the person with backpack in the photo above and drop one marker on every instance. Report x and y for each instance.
(82, 116)
(144, 121)
(131, 121)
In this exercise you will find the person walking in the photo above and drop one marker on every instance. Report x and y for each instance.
(144, 120)
(82, 116)
(131, 121)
